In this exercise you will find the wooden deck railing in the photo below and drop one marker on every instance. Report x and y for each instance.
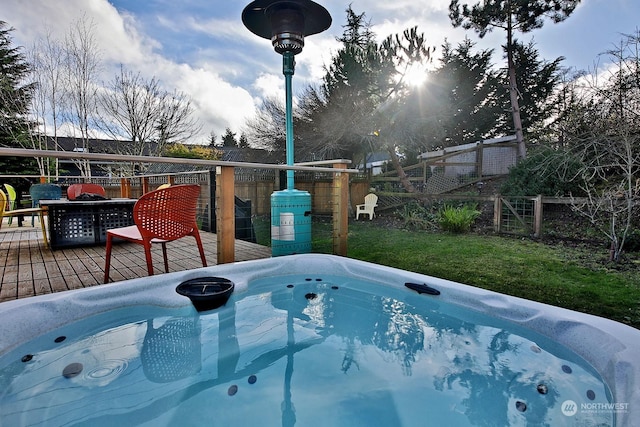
(224, 189)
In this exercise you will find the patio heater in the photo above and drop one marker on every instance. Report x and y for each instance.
(286, 23)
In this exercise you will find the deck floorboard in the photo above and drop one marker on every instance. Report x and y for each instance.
(29, 269)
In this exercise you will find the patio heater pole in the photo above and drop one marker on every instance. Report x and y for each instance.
(286, 23)
(288, 69)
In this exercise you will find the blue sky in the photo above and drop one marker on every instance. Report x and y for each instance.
(201, 47)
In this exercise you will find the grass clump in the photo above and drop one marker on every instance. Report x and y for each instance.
(457, 219)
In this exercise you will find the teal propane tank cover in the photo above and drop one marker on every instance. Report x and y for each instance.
(290, 222)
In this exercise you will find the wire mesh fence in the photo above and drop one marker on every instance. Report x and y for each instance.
(533, 217)
(254, 186)
(446, 170)
(518, 215)
(256, 191)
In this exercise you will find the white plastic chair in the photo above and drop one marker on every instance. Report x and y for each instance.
(370, 202)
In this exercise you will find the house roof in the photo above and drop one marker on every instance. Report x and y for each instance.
(379, 156)
(229, 154)
(95, 145)
(462, 147)
(254, 155)
(110, 146)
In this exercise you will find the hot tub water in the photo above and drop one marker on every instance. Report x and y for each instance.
(299, 349)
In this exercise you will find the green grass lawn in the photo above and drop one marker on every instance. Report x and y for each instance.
(577, 278)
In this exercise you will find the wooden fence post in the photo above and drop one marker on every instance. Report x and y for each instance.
(340, 210)
(479, 160)
(424, 172)
(145, 185)
(537, 216)
(497, 213)
(125, 188)
(225, 214)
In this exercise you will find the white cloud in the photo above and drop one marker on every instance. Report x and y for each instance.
(222, 28)
(269, 85)
(317, 54)
(218, 104)
(115, 35)
(202, 48)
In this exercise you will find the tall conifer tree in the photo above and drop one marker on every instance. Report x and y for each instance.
(511, 16)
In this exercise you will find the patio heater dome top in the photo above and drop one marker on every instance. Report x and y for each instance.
(286, 22)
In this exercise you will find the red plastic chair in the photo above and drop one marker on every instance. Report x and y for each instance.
(75, 190)
(160, 216)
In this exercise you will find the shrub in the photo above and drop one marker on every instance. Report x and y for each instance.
(457, 219)
(545, 171)
(416, 217)
(632, 242)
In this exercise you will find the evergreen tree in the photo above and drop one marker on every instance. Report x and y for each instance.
(355, 110)
(229, 139)
(460, 102)
(213, 140)
(511, 16)
(243, 142)
(331, 116)
(537, 81)
(15, 97)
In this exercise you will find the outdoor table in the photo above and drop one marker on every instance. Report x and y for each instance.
(85, 223)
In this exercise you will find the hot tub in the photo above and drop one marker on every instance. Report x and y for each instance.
(311, 340)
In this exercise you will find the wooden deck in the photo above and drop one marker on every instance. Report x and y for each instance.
(29, 269)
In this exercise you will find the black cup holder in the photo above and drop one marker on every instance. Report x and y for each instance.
(206, 293)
